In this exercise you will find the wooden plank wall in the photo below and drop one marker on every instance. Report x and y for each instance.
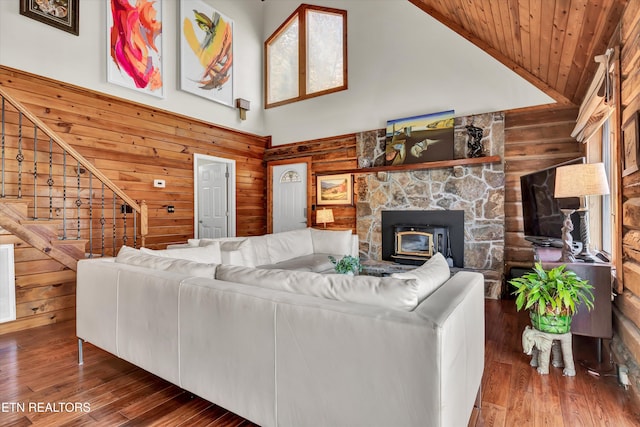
(327, 154)
(45, 289)
(534, 139)
(627, 305)
(132, 144)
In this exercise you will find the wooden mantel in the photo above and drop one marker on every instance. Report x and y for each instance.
(419, 166)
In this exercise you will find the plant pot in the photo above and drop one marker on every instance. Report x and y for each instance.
(553, 324)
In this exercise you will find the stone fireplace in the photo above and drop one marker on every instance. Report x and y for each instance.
(477, 190)
(446, 228)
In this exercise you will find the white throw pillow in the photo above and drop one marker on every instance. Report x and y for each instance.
(132, 256)
(238, 252)
(335, 242)
(209, 254)
(289, 244)
(429, 275)
(384, 292)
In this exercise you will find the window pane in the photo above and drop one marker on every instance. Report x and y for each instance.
(324, 51)
(607, 217)
(283, 64)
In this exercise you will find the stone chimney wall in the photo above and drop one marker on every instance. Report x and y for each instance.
(478, 190)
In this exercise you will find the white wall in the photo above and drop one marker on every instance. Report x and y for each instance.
(401, 63)
(31, 46)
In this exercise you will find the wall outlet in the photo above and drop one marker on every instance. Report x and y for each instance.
(158, 183)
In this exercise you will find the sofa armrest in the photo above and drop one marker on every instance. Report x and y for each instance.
(457, 310)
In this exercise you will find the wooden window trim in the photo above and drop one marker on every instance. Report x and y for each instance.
(301, 14)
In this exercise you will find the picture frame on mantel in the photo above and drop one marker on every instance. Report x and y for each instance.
(61, 14)
(420, 139)
(630, 134)
(334, 189)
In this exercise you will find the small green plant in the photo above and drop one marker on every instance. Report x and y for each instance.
(552, 292)
(347, 264)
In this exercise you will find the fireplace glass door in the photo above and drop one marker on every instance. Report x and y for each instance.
(414, 243)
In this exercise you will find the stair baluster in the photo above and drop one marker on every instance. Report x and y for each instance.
(35, 172)
(114, 223)
(64, 195)
(124, 224)
(78, 200)
(19, 156)
(2, 194)
(90, 215)
(102, 223)
(135, 231)
(50, 181)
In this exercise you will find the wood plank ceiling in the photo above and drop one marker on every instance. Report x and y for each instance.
(550, 43)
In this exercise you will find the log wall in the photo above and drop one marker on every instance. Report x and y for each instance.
(327, 155)
(627, 305)
(534, 139)
(132, 144)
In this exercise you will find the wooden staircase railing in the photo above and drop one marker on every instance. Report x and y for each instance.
(99, 212)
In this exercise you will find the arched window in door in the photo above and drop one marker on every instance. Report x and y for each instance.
(290, 176)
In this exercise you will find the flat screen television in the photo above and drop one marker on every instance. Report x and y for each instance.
(541, 214)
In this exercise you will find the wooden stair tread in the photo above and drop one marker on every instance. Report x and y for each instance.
(75, 242)
(19, 205)
(39, 236)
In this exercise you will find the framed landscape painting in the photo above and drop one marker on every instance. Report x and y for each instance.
(134, 45)
(206, 52)
(334, 189)
(62, 14)
(419, 139)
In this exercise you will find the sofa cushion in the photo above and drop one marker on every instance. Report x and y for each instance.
(132, 256)
(318, 263)
(289, 244)
(336, 242)
(238, 252)
(429, 275)
(387, 292)
(203, 254)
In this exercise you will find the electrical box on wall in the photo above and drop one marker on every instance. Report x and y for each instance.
(158, 183)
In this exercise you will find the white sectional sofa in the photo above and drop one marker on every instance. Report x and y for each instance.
(294, 348)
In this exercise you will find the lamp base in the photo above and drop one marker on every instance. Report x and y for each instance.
(585, 254)
(567, 239)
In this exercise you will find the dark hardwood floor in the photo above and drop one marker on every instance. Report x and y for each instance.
(41, 384)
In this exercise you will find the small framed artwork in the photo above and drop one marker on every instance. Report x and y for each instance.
(334, 189)
(630, 133)
(206, 52)
(62, 14)
(134, 45)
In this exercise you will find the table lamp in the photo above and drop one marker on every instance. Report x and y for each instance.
(324, 216)
(580, 180)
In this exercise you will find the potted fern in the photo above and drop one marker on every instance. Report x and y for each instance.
(552, 297)
(346, 265)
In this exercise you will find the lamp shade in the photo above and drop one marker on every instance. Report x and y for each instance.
(324, 216)
(586, 179)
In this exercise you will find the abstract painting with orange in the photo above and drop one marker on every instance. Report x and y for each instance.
(135, 44)
(206, 52)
